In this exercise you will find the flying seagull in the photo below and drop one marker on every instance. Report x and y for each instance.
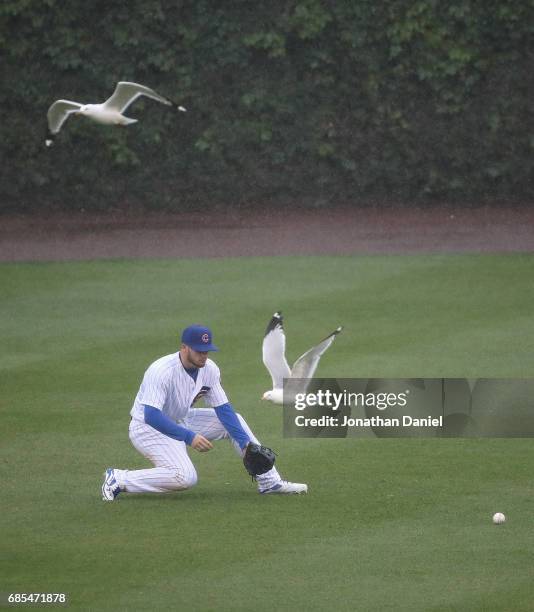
(274, 358)
(108, 113)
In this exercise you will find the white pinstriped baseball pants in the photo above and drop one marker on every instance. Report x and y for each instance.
(174, 470)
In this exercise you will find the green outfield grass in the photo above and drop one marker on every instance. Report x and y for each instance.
(387, 525)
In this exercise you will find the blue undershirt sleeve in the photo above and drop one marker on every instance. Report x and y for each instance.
(156, 419)
(228, 418)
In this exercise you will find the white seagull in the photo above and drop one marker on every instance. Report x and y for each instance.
(108, 113)
(274, 358)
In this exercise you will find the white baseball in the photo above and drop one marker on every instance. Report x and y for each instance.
(498, 518)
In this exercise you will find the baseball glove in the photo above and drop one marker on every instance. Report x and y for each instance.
(258, 459)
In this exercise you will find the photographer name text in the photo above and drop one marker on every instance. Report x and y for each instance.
(375, 421)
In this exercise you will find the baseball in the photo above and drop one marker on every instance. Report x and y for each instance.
(498, 518)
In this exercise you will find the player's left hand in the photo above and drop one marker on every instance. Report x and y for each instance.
(258, 459)
(201, 444)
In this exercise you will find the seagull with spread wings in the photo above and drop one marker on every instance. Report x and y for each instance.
(274, 358)
(108, 113)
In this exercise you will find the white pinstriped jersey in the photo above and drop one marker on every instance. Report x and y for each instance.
(167, 386)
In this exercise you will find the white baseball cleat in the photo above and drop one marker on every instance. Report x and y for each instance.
(286, 488)
(110, 487)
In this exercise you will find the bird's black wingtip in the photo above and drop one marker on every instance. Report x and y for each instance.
(334, 333)
(49, 140)
(176, 106)
(276, 321)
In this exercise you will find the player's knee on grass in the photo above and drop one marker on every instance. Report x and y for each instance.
(185, 481)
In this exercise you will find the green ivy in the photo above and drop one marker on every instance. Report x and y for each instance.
(310, 99)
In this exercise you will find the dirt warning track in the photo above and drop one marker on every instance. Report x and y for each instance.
(61, 237)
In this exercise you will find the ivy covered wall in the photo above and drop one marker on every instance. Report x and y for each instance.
(327, 101)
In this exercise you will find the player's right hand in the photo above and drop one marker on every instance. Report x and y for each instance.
(201, 444)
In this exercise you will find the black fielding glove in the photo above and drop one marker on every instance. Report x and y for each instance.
(258, 459)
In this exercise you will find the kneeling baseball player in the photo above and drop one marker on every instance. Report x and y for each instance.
(164, 423)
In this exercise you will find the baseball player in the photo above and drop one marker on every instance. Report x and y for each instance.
(164, 423)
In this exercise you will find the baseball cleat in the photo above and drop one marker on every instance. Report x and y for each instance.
(110, 487)
(286, 488)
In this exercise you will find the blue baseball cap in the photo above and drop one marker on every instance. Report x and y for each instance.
(198, 338)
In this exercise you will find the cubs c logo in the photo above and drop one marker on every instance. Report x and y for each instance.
(205, 338)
